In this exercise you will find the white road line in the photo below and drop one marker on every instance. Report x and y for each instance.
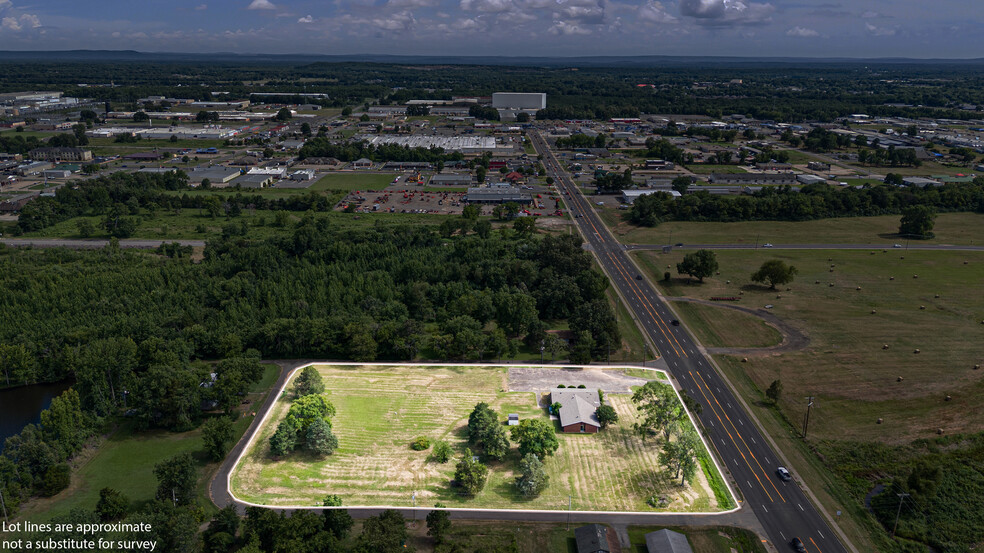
(821, 534)
(801, 507)
(764, 507)
(741, 423)
(753, 440)
(783, 536)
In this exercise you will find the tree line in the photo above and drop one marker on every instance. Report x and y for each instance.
(814, 201)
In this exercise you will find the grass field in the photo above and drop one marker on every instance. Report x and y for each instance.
(723, 327)
(951, 228)
(381, 409)
(352, 181)
(125, 461)
(707, 169)
(845, 366)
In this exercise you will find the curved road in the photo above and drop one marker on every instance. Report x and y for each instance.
(783, 508)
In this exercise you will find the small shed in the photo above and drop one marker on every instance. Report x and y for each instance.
(667, 541)
(513, 419)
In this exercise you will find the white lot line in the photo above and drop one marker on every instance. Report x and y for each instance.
(266, 416)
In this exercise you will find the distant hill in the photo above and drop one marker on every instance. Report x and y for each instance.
(581, 61)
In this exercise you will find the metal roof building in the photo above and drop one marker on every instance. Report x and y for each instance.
(498, 195)
(450, 179)
(667, 541)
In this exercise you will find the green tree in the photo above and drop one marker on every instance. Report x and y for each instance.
(337, 521)
(681, 184)
(535, 436)
(140, 117)
(917, 221)
(470, 474)
(112, 505)
(384, 533)
(346, 111)
(309, 382)
(480, 173)
(284, 115)
(659, 408)
(700, 264)
(525, 226)
(479, 420)
(495, 442)
(606, 415)
(284, 440)
(470, 212)
(438, 524)
(217, 433)
(442, 452)
(533, 479)
(483, 228)
(775, 272)
(320, 438)
(774, 392)
(306, 128)
(307, 409)
(678, 456)
(176, 479)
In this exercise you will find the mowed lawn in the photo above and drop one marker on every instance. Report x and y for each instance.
(354, 181)
(723, 327)
(381, 409)
(951, 228)
(845, 365)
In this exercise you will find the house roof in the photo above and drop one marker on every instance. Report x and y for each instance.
(667, 541)
(513, 176)
(577, 405)
(592, 538)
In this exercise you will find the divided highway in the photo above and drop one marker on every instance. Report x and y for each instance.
(782, 507)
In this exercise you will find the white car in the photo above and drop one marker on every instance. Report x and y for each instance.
(897, 246)
(767, 245)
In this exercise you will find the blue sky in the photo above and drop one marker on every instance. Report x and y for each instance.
(852, 28)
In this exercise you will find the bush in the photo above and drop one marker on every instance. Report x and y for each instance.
(561, 386)
(420, 443)
(582, 386)
(56, 479)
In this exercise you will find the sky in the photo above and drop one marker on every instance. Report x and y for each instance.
(784, 28)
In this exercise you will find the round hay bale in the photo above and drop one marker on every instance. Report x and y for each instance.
(948, 398)
(830, 259)
(788, 289)
(873, 311)
(718, 273)
(879, 421)
(939, 431)
(816, 282)
(966, 262)
(917, 350)
(899, 379)
(741, 292)
(937, 296)
(832, 265)
(915, 276)
(891, 278)
(831, 285)
(778, 296)
(901, 257)
(921, 307)
(744, 360)
(977, 367)
(884, 346)
(859, 288)
(831, 270)
(727, 282)
(873, 253)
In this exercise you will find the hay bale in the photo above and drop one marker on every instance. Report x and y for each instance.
(778, 296)
(884, 346)
(891, 278)
(727, 282)
(977, 367)
(816, 282)
(917, 350)
(831, 270)
(744, 360)
(937, 296)
(831, 285)
(859, 288)
(939, 431)
(873, 311)
(899, 379)
(915, 276)
(922, 307)
(948, 398)
(879, 421)
(901, 257)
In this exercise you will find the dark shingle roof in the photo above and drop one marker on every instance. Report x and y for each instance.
(577, 405)
(592, 538)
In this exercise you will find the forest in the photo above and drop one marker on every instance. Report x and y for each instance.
(789, 92)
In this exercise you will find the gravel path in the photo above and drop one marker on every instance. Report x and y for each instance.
(792, 338)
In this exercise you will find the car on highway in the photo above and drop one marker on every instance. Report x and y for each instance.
(784, 474)
(638, 277)
(767, 245)
(678, 245)
(798, 545)
(675, 322)
(897, 245)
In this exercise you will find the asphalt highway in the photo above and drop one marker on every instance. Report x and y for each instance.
(872, 247)
(781, 507)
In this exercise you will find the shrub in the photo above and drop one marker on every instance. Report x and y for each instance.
(420, 443)
(582, 386)
(561, 386)
(442, 452)
(56, 479)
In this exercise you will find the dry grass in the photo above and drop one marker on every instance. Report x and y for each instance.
(845, 366)
(381, 409)
(723, 327)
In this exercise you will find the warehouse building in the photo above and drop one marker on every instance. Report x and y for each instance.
(498, 195)
(753, 178)
(34, 168)
(215, 175)
(629, 196)
(254, 181)
(511, 104)
(450, 179)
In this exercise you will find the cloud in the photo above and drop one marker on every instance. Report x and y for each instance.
(563, 28)
(726, 12)
(402, 21)
(802, 32)
(879, 31)
(654, 12)
(261, 5)
(25, 21)
(4, 4)
(306, 19)
(591, 11)
(411, 3)
(201, 7)
(488, 6)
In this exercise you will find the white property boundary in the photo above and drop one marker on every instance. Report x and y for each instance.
(263, 422)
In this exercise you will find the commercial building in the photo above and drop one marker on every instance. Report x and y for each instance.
(449, 143)
(498, 195)
(810, 179)
(629, 196)
(60, 154)
(921, 182)
(511, 104)
(302, 176)
(772, 166)
(254, 181)
(34, 168)
(216, 175)
(450, 179)
(659, 164)
(752, 178)
(57, 174)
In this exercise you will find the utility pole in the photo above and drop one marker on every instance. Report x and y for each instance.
(806, 422)
(899, 512)
(569, 513)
